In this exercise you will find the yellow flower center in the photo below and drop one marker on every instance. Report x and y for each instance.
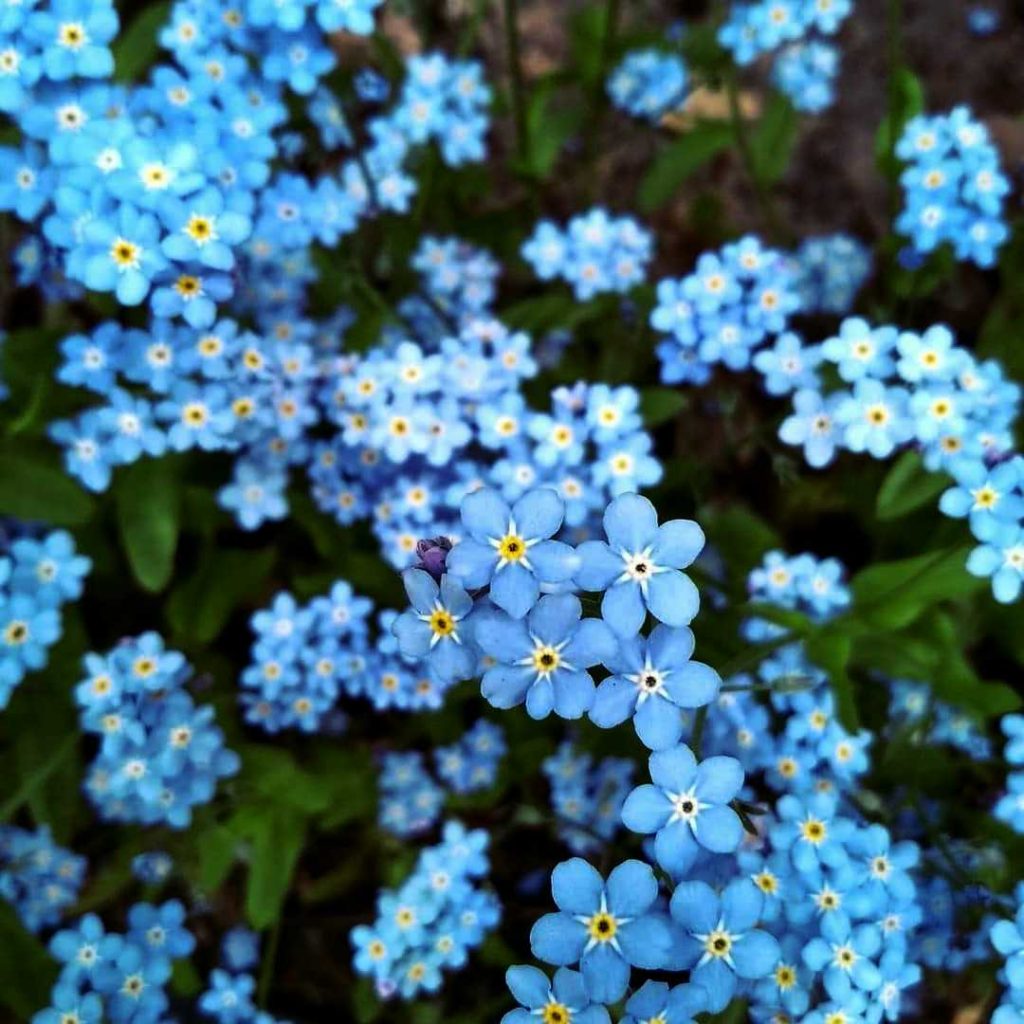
(187, 286)
(124, 253)
(512, 548)
(16, 633)
(199, 228)
(441, 622)
(718, 943)
(545, 659)
(814, 831)
(556, 1013)
(785, 976)
(602, 927)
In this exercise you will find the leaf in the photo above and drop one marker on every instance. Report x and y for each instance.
(772, 141)
(830, 650)
(198, 609)
(906, 100)
(277, 841)
(659, 405)
(33, 487)
(548, 129)
(137, 43)
(148, 496)
(908, 486)
(26, 970)
(280, 781)
(893, 594)
(217, 846)
(743, 537)
(679, 160)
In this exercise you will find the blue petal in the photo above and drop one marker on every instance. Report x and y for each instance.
(658, 723)
(485, 514)
(605, 974)
(646, 810)
(695, 906)
(645, 941)
(673, 769)
(558, 939)
(472, 563)
(599, 566)
(528, 985)
(540, 699)
(679, 542)
(742, 903)
(631, 888)
(506, 686)
(576, 886)
(515, 589)
(413, 635)
(501, 637)
(669, 646)
(421, 588)
(592, 642)
(553, 561)
(673, 598)
(623, 608)
(574, 694)
(719, 779)
(755, 954)
(676, 848)
(718, 980)
(614, 702)
(554, 617)
(455, 598)
(568, 987)
(693, 685)
(719, 829)
(538, 513)
(630, 522)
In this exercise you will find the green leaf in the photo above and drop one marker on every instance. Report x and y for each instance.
(681, 159)
(277, 839)
(743, 536)
(198, 609)
(217, 846)
(137, 43)
(906, 100)
(830, 650)
(893, 594)
(659, 405)
(772, 141)
(548, 128)
(908, 486)
(148, 497)
(33, 487)
(26, 970)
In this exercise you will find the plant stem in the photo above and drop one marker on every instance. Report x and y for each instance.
(599, 98)
(267, 967)
(515, 72)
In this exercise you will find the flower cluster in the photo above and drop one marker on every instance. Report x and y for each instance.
(723, 311)
(410, 800)
(595, 253)
(648, 83)
(38, 878)
(953, 187)
(302, 656)
(806, 73)
(432, 921)
(924, 391)
(830, 271)
(1010, 806)
(159, 754)
(587, 798)
(1008, 938)
(112, 976)
(927, 720)
(755, 28)
(471, 764)
(38, 574)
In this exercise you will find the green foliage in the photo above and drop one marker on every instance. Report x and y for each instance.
(148, 496)
(679, 160)
(34, 487)
(907, 487)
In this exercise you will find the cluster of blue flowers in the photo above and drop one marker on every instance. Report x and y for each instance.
(471, 764)
(159, 754)
(830, 271)
(806, 73)
(153, 867)
(118, 977)
(587, 798)
(38, 574)
(648, 83)
(1008, 938)
(923, 718)
(230, 995)
(432, 921)
(724, 310)
(594, 253)
(410, 800)
(953, 187)
(924, 391)
(38, 878)
(1010, 806)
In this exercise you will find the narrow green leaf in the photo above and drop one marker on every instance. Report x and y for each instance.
(773, 139)
(26, 970)
(137, 44)
(908, 486)
(830, 650)
(906, 101)
(33, 487)
(148, 496)
(659, 405)
(276, 844)
(679, 161)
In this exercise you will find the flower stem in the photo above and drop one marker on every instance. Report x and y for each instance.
(515, 71)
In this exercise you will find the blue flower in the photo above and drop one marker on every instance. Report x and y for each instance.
(722, 942)
(563, 1000)
(687, 807)
(843, 952)
(509, 548)
(654, 1001)
(433, 629)
(122, 254)
(606, 927)
(542, 660)
(639, 567)
(812, 425)
(652, 677)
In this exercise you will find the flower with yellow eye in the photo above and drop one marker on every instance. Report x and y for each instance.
(845, 952)
(563, 1000)
(201, 228)
(607, 926)
(510, 548)
(433, 629)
